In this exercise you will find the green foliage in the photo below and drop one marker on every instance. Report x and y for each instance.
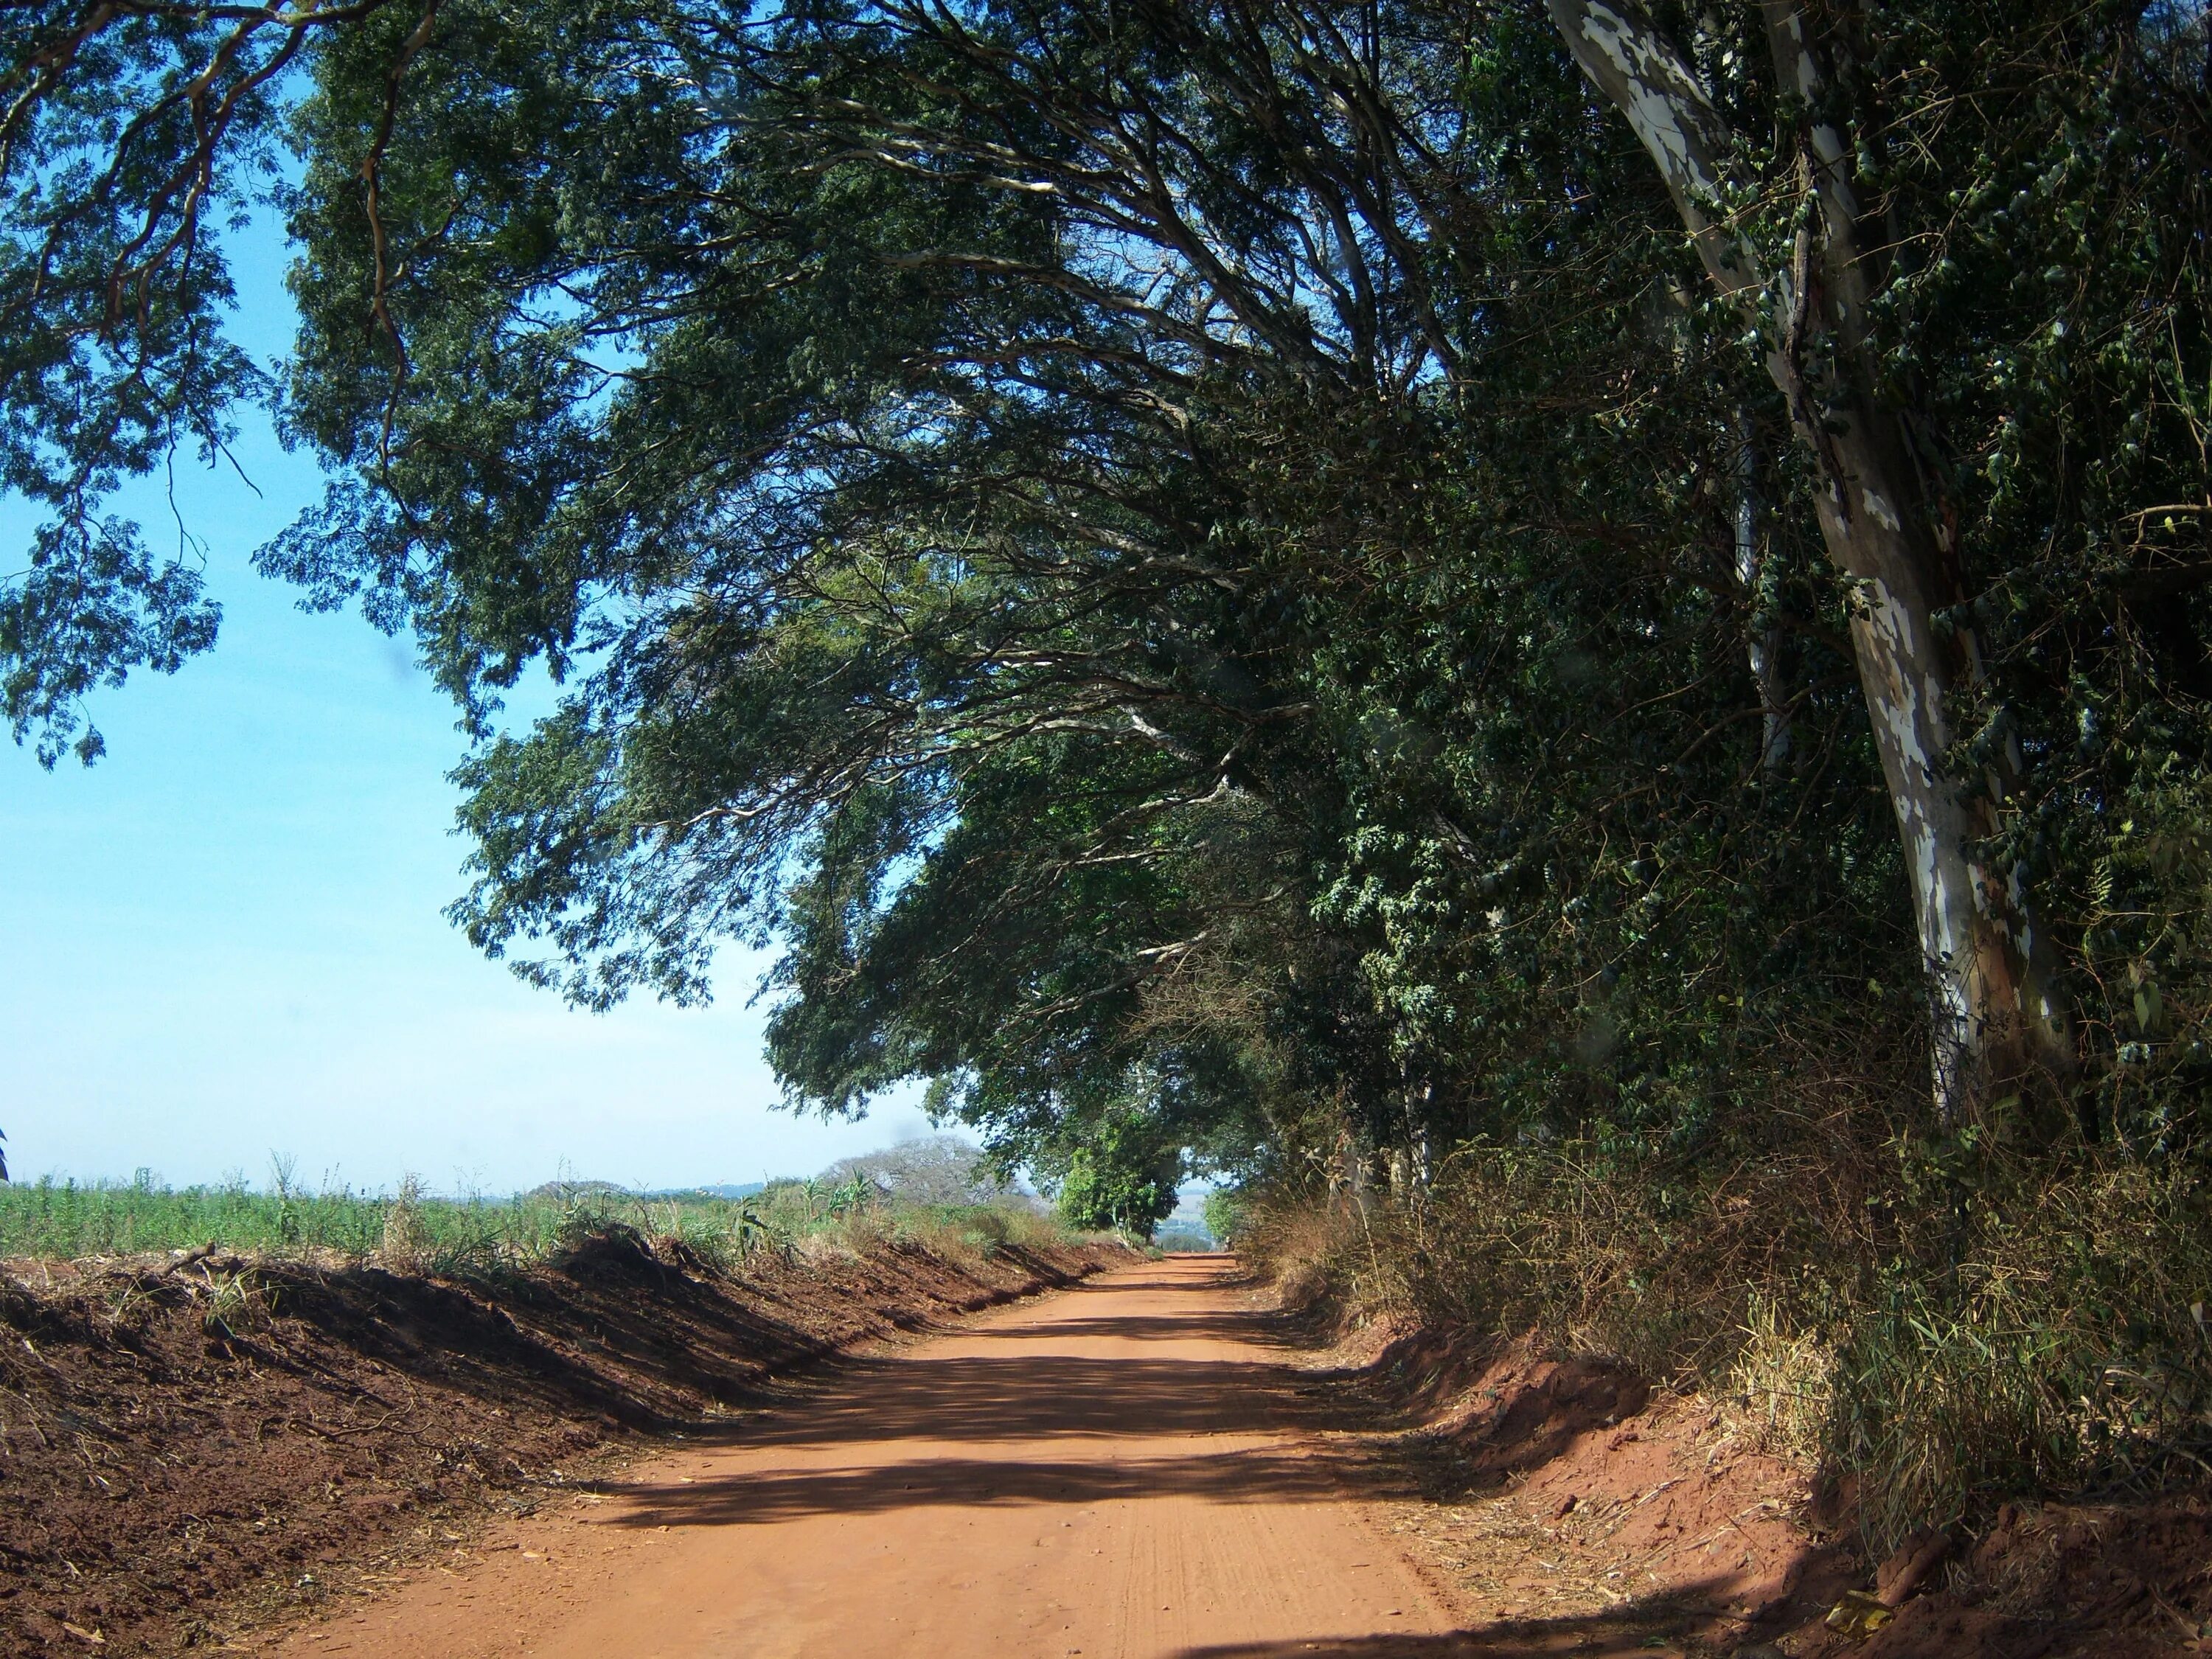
(1256, 617)
(1184, 565)
(114, 185)
(1121, 1177)
(1228, 1211)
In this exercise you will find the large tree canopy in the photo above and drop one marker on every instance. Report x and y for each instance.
(1276, 569)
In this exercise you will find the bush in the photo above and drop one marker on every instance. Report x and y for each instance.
(1226, 1210)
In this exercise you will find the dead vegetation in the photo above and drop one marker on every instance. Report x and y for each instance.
(1616, 1411)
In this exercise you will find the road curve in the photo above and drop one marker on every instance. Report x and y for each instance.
(1108, 1471)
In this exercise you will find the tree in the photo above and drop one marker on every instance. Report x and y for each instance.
(934, 1169)
(1995, 1006)
(1122, 1177)
(1192, 562)
(131, 136)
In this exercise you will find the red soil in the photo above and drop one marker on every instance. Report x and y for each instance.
(1570, 1502)
(186, 1453)
(209, 1455)
(1117, 1471)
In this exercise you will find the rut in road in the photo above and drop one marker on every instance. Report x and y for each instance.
(1113, 1471)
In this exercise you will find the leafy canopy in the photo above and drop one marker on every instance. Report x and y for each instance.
(1184, 560)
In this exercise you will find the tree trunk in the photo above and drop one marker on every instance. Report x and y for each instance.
(1994, 1015)
(1763, 643)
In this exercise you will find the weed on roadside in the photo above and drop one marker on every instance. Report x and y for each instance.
(1951, 1328)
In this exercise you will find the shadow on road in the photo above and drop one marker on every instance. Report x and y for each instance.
(1228, 1325)
(1646, 1628)
(1091, 1408)
(1029, 1397)
(1027, 1391)
(1252, 1476)
(1485, 1644)
(1027, 1386)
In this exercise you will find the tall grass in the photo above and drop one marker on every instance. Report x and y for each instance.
(412, 1231)
(1948, 1324)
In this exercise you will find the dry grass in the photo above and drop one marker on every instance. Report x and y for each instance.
(1952, 1329)
(1780, 1391)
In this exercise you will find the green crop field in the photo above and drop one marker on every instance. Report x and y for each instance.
(62, 1220)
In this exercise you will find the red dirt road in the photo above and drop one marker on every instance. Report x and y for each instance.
(1110, 1472)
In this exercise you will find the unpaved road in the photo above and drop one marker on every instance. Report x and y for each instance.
(1110, 1472)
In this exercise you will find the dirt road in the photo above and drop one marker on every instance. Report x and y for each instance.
(1109, 1471)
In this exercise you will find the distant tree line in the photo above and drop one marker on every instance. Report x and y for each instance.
(1302, 582)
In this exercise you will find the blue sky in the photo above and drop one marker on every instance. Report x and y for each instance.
(224, 939)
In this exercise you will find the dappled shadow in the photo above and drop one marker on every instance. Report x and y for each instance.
(1023, 1384)
(1344, 1647)
(1024, 1392)
(1180, 1277)
(1257, 1474)
(1029, 1397)
(1230, 1325)
(1639, 1627)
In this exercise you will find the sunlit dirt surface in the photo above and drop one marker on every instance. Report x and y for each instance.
(1117, 1471)
(1141, 1469)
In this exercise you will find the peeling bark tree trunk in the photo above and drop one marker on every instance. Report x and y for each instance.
(1994, 1013)
(1763, 644)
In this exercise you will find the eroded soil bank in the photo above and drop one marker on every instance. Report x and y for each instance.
(599, 1459)
(1570, 1506)
(191, 1451)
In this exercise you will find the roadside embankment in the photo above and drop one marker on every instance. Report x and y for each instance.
(191, 1446)
(1568, 1492)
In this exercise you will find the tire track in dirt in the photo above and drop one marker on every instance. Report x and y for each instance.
(1114, 1472)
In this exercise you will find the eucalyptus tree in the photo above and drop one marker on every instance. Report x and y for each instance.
(1048, 508)
(1828, 162)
